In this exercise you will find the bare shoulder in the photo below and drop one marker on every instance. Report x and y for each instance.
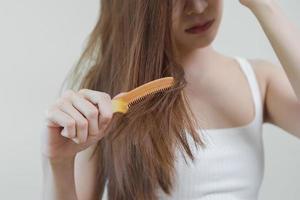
(263, 70)
(264, 66)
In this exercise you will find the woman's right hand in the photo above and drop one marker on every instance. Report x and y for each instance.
(75, 122)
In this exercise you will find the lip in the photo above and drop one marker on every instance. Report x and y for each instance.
(199, 28)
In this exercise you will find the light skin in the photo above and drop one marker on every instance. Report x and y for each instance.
(200, 59)
(283, 83)
(73, 126)
(78, 112)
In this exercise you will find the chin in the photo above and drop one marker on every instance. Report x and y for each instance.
(188, 41)
(202, 43)
(198, 42)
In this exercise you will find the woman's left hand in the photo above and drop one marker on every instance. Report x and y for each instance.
(251, 4)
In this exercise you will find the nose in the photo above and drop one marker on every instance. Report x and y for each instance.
(196, 6)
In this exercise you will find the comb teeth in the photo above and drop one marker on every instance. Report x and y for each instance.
(124, 101)
(137, 100)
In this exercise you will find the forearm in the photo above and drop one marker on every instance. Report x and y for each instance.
(58, 183)
(284, 38)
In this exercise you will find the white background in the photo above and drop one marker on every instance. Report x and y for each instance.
(41, 40)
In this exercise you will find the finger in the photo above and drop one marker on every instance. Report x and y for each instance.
(56, 118)
(89, 111)
(119, 95)
(103, 101)
(81, 122)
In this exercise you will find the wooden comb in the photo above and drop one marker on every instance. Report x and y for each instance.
(121, 103)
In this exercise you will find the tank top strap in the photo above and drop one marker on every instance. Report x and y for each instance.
(253, 83)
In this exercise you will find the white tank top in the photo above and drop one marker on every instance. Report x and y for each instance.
(232, 165)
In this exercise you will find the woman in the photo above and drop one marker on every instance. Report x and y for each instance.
(88, 151)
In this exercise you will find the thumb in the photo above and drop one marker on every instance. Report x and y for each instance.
(119, 95)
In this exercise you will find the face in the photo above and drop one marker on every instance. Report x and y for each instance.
(189, 28)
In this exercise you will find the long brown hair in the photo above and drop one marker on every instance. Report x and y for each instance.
(130, 45)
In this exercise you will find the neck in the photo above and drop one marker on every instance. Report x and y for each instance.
(202, 67)
(201, 59)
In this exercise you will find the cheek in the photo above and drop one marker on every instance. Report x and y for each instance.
(217, 2)
(174, 33)
(176, 28)
(219, 6)
(175, 24)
